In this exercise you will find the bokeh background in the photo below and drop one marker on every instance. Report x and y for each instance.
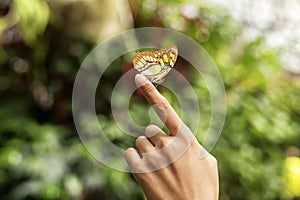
(255, 45)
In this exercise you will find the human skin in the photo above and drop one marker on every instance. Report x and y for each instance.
(174, 165)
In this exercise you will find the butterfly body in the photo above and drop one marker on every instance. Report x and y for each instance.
(156, 65)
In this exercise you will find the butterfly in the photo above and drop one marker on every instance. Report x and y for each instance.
(156, 65)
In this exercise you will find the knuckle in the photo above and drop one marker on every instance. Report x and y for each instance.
(164, 141)
(147, 89)
(164, 104)
(213, 160)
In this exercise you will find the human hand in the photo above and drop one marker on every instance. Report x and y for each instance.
(171, 166)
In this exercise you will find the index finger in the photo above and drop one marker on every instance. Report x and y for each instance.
(160, 104)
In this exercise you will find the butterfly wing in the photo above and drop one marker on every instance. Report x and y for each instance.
(156, 65)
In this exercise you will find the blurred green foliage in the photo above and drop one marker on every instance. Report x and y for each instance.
(41, 156)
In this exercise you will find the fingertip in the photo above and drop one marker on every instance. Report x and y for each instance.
(152, 127)
(130, 150)
(131, 155)
(140, 140)
(141, 80)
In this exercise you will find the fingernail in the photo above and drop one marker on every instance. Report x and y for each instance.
(140, 80)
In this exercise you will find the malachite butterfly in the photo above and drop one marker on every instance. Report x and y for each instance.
(156, 65)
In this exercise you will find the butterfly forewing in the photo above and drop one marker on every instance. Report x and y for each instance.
(156, 65)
